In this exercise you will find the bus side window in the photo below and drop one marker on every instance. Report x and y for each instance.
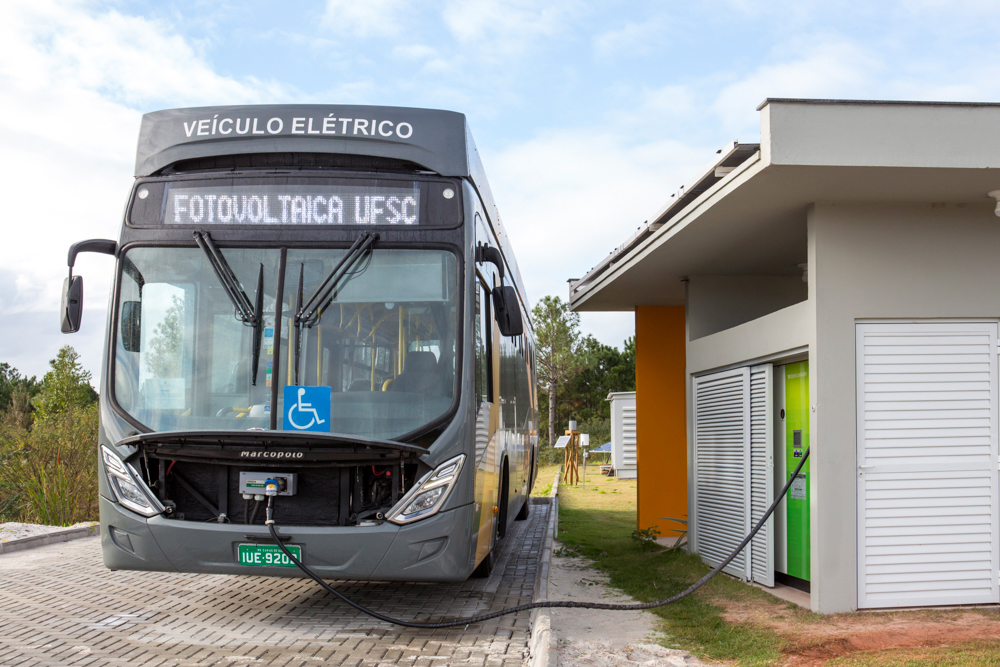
(484, 346)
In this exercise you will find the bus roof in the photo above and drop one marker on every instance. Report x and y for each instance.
(435, 140)
(439, 141)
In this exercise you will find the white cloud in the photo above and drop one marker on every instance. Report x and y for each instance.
(789, 9)
(569, 198)
(71, 78)
(666, 102)
(841, 69)
(505, 27)
(609, 328)
(832, 69)
(432, 60)
(415, 52)
(634, 38)
(125, 58)
(367, 18)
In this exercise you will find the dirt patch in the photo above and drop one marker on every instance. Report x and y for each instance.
(813, 639)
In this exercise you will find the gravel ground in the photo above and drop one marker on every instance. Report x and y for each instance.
(15, 531)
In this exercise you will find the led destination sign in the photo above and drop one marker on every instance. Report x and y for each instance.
(292, 205)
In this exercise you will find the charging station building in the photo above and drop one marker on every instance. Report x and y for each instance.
(836, 286)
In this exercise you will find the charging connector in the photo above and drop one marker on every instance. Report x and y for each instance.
(269, 520)
(261, 483)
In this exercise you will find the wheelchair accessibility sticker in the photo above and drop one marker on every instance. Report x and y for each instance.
(307, 409)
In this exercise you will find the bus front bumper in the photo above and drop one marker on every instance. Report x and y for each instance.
(438, 548)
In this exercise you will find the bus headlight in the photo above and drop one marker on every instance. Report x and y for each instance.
(127, 487)
(428, 495)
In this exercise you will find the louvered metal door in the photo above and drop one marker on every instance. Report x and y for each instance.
(762, 472)
(722, 474)
(927, 464)
(628, 436)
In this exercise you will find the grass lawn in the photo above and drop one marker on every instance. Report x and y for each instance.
(727, 620)
(543, 483)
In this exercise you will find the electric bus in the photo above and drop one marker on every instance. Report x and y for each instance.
(317, 307)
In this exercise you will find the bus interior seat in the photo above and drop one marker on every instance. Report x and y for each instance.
(420, 374)
(360, 385)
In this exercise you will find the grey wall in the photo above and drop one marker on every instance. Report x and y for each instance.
(773, 336)
(881, 135)
(878, 261)
(716, 303)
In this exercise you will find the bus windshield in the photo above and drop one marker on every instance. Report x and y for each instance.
(383, 346)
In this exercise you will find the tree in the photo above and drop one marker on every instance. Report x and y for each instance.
(603, 369)
(19, 412)
(12, 382)
(164, 360)
(66, 386)
(557, 334)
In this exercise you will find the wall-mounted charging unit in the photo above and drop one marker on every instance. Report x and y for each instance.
(792, 529)
(253, 483)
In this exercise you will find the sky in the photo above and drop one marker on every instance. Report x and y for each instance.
(588, 115)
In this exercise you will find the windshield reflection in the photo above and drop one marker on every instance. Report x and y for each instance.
(384, 343)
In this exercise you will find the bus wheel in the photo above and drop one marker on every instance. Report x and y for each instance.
(525, 510)
(485, 567)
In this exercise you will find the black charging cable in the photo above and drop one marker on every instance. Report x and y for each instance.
(543, 604)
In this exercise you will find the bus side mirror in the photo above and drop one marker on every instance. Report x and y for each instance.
(507, 311)
(72, 304)
(103, 246)
(131, 326)
(72, 297)
(485, 253)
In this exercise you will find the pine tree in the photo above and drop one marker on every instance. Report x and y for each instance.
(164, 360)
(557, 333)
(66, 386)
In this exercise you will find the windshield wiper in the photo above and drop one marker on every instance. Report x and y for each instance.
(310, 310)
(246, 312)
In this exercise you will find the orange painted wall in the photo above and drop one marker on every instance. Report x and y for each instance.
(661, 429)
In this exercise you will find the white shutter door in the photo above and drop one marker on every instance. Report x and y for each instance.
(761, 473)
(628, 435)
(927, 457)
(722, 443)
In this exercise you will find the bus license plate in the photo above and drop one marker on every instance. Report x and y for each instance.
(267, 555)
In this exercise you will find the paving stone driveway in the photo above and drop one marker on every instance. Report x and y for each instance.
(59, 606)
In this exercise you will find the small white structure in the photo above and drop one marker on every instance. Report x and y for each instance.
(623, 433)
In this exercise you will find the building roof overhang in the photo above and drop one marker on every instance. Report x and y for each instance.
(751, 220)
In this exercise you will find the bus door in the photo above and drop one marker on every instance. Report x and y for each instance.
(487, 341)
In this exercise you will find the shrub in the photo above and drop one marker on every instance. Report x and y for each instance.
(548, 456)
(48, 474)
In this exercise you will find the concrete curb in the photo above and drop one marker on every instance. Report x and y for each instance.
(48, 538)
(543, 647)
